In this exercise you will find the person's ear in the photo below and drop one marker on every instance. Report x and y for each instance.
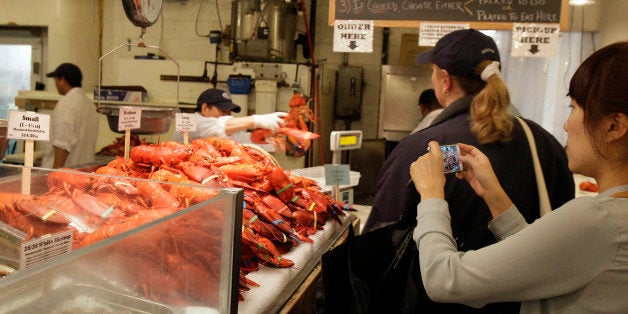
(617, 127)
(446, 79)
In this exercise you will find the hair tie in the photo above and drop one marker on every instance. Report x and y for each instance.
(489, 70)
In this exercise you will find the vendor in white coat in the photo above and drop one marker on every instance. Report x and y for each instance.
(213, 117)
(73, 123)
(430, 108)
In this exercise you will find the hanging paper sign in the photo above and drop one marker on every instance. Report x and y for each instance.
(28, 125)
(353, 36)
(185, 122)
(129, 118)
(535, 40)
(430, 33)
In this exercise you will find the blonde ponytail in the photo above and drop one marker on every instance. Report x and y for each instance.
(490, 120)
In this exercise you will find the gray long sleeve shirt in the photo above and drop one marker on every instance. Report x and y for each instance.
(573, 260)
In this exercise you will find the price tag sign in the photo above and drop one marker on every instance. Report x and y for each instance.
(28, 125)
(185, 122)
(129, 118)
(38, 250)
(337, 175)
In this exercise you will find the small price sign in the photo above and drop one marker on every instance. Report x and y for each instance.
(129, 118)
(41, 249)
(337, 175)
(185, 122)
(28, 125)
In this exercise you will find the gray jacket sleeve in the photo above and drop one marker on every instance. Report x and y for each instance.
(555, 255)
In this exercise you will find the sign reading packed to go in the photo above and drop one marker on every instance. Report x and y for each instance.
(353, 36)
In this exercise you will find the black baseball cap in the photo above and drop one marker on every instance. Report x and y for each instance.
(218, 98)
(460, 52)
(70, 72)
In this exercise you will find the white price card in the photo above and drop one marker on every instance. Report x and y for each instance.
(28, 125)
(41, 249)
(336, 174)
(129, 118)
(185, 122)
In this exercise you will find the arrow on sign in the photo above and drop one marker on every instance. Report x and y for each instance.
(534, 49)
(352, 45)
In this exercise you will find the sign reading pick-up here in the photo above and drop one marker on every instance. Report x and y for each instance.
(535, 40)
(353, 36)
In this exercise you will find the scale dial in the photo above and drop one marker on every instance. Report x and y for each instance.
(142, 13)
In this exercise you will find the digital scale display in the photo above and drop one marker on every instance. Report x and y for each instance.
(348, 140)
(345, 140)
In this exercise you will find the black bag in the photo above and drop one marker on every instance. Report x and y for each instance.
(376, 272)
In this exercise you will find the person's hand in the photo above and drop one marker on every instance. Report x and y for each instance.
(480, 175)
(427, 172)
(478, 170)
(271, 121)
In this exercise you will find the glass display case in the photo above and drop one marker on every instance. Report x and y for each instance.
(153, 257)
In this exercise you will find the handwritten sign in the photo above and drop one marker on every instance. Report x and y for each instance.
(129, 118)
(28, 125)
(493, 14)
(337, 175)
(41, 249)
(353, 36)
(185, 122)
(535, 40)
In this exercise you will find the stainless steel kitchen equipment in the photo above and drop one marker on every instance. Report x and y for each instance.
(399, 111)
(265, 30)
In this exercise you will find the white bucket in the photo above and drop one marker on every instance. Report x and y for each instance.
(265, 96)
(243, 102)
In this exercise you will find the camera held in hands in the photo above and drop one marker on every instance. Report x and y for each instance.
(451, 157)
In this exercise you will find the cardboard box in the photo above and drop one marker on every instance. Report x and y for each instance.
(134, 94)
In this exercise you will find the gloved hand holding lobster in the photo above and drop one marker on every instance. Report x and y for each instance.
(272, 121)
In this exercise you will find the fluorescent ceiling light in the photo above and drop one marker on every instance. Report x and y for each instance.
(581, 2)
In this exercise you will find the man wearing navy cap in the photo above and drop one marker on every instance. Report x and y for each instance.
(73, 123)
(213, 117)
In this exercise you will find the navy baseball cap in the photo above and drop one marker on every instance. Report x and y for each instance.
(460, 52)
(70, 72)
(218, 98)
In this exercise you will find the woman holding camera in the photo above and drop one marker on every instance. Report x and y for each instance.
(573, 260)
(467, 82)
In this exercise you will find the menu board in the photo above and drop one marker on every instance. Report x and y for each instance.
(480, 14)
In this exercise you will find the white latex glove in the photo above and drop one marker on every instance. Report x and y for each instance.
(271, 121)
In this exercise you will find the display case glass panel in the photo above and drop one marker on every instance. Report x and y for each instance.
(162, 258)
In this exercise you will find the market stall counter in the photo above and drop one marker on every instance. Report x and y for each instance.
(165, 254)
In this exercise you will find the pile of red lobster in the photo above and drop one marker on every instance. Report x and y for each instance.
(281, 210)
